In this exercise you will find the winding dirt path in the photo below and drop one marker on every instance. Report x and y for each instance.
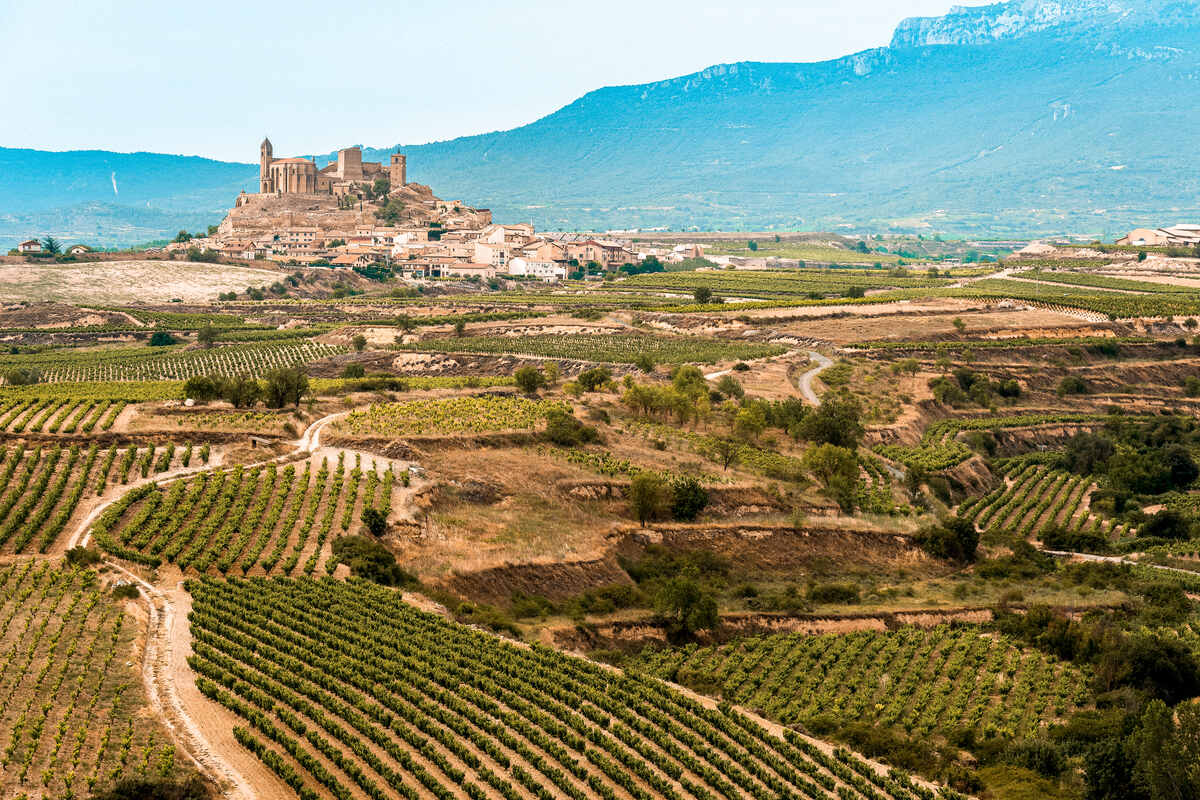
(201, 729)
(806, 380)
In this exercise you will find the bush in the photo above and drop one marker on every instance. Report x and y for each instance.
(242, 391)
(686, 605)
(375, 521)
(83, 556)
(565, 430)
(1073, 384)
(954, 539)
(1059, 538)
(688, 498)
(369, 559)
(126, 591)
(22, 376)
(192, 788)
(161, 339)
(529, 379)
(359, 343)
(833, 593)
(593, 379)
(354, 371)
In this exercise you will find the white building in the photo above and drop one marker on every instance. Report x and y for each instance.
(31, 246)
(548, 271)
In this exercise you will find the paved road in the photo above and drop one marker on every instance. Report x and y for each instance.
(805, 382)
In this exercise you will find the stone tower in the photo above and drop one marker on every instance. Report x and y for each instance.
(266, 155)
(398, 173)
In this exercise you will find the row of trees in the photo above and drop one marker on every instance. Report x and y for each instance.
(279, 388)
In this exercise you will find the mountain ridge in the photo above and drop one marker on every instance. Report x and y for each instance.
(960, 137)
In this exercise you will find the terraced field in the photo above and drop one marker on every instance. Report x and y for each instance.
(921, 680)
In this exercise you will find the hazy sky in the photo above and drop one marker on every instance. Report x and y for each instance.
(211, 78)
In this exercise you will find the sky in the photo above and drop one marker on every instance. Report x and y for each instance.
(212, 79)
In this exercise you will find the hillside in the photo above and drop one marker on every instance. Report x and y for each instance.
(1013, 119)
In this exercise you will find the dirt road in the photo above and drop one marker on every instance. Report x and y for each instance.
(805, 382)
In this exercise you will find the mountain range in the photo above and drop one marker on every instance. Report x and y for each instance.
(1024, 118)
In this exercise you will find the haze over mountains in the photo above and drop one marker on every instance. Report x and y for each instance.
(1019, 118)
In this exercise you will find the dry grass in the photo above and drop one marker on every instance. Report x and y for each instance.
(126, 281)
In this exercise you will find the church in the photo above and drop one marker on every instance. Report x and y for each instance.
(300, 175)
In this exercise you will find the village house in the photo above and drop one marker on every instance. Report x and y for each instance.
(30, 246)
(548, 271)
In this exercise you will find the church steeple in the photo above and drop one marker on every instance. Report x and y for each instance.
(266, 154)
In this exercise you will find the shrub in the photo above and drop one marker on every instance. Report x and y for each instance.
(191, 788)
(833, 593)
(354, 371)
(954, 539)
(359, 343)
(529, 379)
(126, 591)
(1073, 384)
(593, 379)
(22, 376)
(375, 521)
(688, 498)
(564, 429)
(83, 556)
(161, 339)
(369, 559)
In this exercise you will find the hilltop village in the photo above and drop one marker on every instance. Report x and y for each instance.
(360, 214)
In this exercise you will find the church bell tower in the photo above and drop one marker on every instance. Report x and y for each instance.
(266, 155)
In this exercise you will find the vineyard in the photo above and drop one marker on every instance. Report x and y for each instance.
(940, 449)
(265, 519)
(1101, 282)
(1035, 497)
(59, 415)
(623, 349)
(343, 690)
(170, 363)
(41, 487)
(447, 415)
(921, 680)
(780, 283)
(69, 706)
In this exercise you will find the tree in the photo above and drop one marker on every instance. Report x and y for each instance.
(1165, 751)
(460, 328)
(354, 371)
(202, 388)
(836, 421)
(161, 339)
(644, 362)
(183, 236)
(686, 605)
(529, 379)
(954, 539)
(1073, 384)
(752, 246)
(359, 343)
(51, 245)
(648, 496)
(242, 391)
(725, 451)
(702, 295)
(688, 498)
(552, 373)
(749, 422)
(730, 387)
(285, 385)
(593, 379)
(837, 470)
(958, 324)
(374, 520)
(207, 335)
